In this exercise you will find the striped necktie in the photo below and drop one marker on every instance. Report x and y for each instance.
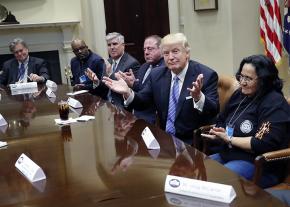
(21, 72)
(170, 128)
(114, 66)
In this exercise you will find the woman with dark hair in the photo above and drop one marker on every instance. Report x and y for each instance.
(255, 120)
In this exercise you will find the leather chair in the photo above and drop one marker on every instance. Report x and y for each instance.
(226, 87)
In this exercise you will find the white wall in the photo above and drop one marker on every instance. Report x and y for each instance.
(39, 11)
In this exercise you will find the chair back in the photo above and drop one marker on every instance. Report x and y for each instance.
(226, 87)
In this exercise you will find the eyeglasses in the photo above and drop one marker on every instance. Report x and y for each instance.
(79, 49)
(150, 49)
(245, 78)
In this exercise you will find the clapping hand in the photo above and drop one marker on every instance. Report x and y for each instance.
(91, 75)
(195, 91)
(119, 85)
(128, 77)
(216, 133)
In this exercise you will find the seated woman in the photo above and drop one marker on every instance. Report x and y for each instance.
(255, 120)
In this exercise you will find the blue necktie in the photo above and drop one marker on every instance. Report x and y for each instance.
(170, 128)
(21, 72)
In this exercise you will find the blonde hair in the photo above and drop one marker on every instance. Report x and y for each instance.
(175, 38)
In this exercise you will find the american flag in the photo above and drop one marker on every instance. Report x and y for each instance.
(286, 30)
(270, 28)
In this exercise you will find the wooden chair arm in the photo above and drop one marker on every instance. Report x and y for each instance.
(268, 157)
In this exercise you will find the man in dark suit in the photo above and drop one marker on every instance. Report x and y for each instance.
(85, 59)
(119, 61)
(23, 67)
(184, 92)
(154, 59)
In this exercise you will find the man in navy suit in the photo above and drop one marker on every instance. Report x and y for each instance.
(184, 92)
(154, 59)
(86, 59)
(22, 68)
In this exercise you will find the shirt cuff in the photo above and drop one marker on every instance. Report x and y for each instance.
(130, 99)
(200, 103)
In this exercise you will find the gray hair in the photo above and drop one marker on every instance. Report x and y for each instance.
(115, 35)
(15, 42)
(175, 38)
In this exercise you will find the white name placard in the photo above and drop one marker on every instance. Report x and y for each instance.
(149, 139)
(3, 122)
(199, 189)
(29, 169)
(187, 201)
(74, 103)
(52, 85)
(50, 93)
(23, 88)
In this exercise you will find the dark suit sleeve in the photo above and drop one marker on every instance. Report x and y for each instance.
(4, 75)
(211, 104)
(41, 69)
(135, 67)
(99, 68)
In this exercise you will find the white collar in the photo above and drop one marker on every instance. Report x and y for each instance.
(181, 75)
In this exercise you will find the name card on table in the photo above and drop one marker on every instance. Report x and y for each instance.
(74, 103)
(149, 139)
(29, 169)
(50, 93)
(52, 85)
(23, 88)
(199, 189)
(3, 122)
(187, 201)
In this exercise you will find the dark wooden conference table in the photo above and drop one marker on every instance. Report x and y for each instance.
(102, 162)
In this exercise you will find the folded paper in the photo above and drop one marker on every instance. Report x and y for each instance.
(77, 92)
(74, 103)
(52, 85)
(149, 139)
(3, 144)
(65, 122)
(50, 93)
(85, 118)
(199, 189)
(29, 169)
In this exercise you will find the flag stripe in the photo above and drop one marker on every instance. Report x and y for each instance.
(270, 28)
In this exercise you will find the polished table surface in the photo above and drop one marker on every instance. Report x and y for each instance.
(103, 162)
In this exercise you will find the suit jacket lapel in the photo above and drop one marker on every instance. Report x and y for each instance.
(165, 84)
(189, 78)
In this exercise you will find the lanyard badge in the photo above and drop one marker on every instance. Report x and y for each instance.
(83, 79)
(230, 133)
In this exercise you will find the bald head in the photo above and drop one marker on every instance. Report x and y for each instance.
(80, 48)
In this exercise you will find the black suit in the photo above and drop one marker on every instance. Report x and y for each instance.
(148, 114)
(187, 118)
(126, 62)
(10, 70)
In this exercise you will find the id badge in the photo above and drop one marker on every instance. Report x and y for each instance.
(230, 130)
(83, 78)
